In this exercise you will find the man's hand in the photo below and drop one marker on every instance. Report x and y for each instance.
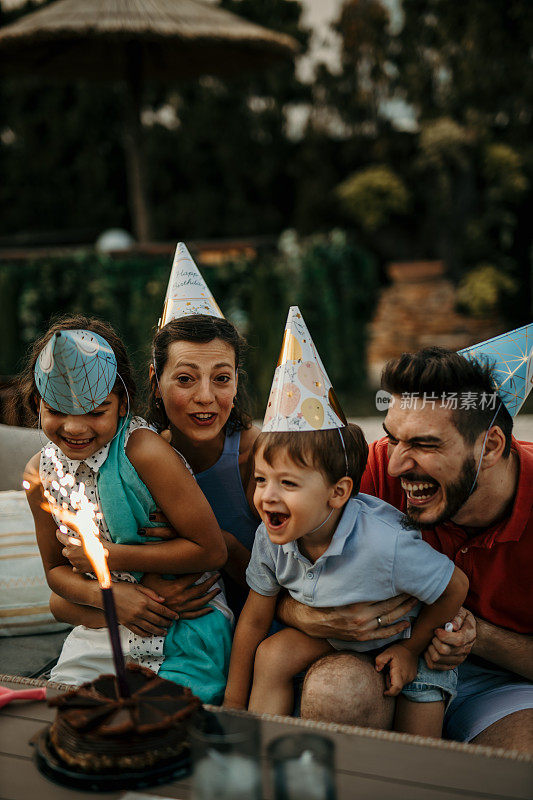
(357, 622)
(182, 595)
(74, 552)
(402, 668)
(448, 650)
(142, 610)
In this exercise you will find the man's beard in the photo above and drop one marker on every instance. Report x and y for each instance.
(456, 496)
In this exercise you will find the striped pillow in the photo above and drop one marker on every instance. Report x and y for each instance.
(24, 593)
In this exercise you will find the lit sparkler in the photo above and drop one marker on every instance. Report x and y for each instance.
(81, 516)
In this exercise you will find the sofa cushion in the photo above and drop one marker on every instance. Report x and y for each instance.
(24, 593)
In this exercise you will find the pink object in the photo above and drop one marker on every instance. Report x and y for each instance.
(7, 695)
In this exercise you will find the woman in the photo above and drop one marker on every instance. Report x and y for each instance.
(196, 399)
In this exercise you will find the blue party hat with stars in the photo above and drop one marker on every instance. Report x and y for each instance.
(511, 355)
(75, 371)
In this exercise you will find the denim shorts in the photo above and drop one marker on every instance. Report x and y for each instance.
(431, 685)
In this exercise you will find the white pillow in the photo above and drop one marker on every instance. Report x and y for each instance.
(24, 593)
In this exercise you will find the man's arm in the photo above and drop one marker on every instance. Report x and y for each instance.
(357, 622)
(512, 651)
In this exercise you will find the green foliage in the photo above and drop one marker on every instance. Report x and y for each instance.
(373, 195)
(503, 172)
(483, 289)
(336, 293)
(253, 293)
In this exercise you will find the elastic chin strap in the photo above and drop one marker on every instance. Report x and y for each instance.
(322, 523)
(344, 451)
(127, 414)
(483, 446)
(346, 464)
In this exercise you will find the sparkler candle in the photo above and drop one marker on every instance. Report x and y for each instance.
(84, 523)
(83, 520)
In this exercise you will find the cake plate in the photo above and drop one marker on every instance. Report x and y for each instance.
(54, 768)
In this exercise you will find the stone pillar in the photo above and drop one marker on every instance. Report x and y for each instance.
(417, 310)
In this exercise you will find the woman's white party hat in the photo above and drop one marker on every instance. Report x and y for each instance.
(301, 397)
(187, 292)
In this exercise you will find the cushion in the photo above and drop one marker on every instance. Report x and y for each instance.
(17, 446)
(24, 593)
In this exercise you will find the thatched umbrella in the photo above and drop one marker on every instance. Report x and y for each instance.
(134, 41)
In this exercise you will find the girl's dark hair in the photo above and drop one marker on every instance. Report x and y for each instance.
(25, 389)
(322, 450)
(200, 329)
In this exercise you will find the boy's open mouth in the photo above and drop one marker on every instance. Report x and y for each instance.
(276, 519)
(421, 491)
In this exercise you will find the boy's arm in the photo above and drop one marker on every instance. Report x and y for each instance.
(200, 545)
(438, 613)
(254, 623)
(402, 656)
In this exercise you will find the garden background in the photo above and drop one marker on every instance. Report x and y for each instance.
(417, 146)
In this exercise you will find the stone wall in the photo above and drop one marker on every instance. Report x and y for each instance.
(418, 310)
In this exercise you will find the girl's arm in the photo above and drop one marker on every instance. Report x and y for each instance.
(139, 608)
(200, 545)
(254, 623)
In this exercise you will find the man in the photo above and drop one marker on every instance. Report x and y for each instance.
(457, 473)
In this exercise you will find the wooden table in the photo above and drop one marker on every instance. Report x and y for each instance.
(370, 765)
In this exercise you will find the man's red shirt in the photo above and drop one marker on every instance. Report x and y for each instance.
(498, 560)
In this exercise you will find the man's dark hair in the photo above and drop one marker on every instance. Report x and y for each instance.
(438, 371)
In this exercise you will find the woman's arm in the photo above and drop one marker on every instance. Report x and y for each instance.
(246, 465)
(139, 609)
(254, 623)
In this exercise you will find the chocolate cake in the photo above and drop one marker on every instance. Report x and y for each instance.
(97, 730)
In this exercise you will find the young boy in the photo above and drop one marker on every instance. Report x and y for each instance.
(329, 546)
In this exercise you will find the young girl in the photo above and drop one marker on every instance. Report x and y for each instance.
(329, 546)
(81, 391)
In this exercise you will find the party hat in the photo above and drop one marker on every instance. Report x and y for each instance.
(187, 292)
(511, 356)
(75, 371)
(301, 397)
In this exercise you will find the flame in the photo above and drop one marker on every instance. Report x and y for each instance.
(83, 523)
(81, 517)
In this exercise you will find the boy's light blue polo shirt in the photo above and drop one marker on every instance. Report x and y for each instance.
(371, 557)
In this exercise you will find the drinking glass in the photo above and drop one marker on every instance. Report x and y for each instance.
(225, 756)
(303, 767)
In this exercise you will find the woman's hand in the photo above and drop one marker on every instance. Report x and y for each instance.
(74, 552)
(163, 531)
(448, 650)
(141, 610)
(182, 595)
(357, 622)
